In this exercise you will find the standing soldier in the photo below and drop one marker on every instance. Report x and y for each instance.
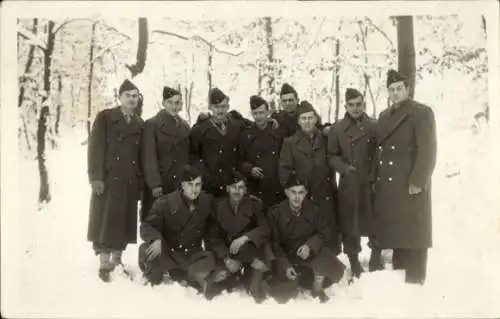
(239, 238)
(173, 233)
(287, 118)
(300, 238)
(305, 153)
(165, 149)
(406, 157)
(214, 144)
(260, 146)
(114, 174)
(351, 147)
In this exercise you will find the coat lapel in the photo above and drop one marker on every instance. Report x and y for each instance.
(179, 211)
(170, 127)
(233, 223)
(120, 124)
(394, 118)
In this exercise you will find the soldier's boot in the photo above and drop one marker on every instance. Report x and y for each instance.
(355, 265)
(105, 267)
(116, 258)
(317, 289)
(255, 286)
(375, 262)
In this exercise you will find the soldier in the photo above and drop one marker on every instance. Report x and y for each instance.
(260, 146)
(173, 232)
(165, 149)
(305, 153)
(214, 144)
(351, 147)
(406, 156)
(287, 118)
(240, 235)
(299, 241)
(115, 177)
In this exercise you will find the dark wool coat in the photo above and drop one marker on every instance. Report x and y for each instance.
(287, 122)
(406, 154)
(165, 149)
(261, 148)
(309, 161)
(181, 232)
(113, 157)
(352, 142)
(249, 220)
(216, 154)
(289, 232)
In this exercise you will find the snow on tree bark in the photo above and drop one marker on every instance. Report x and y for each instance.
(406, 50)
(29, 63)
(91, 75)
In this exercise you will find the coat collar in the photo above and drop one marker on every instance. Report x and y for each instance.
(392, 119)
(303, 143)
(118, 118)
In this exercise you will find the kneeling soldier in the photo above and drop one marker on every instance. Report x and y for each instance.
(299, 240)
(240, 235)
(173, 234)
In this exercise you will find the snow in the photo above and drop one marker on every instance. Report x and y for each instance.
(58, 270)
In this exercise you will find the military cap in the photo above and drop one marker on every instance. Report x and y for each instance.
(235, 177)
(168, 92)
(217, 96)
(256, 101)
(305, 107)
(394, 76)
(189, 173)
(294, 180)
(287, 89)
(351, 93)
(127, 86)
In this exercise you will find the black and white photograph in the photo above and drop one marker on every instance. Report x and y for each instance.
(250, 159)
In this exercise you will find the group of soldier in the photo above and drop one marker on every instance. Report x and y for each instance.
(232, 203)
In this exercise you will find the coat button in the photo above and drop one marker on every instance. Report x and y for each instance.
(390, 179)
(174, 161)
(220, 187)
(220, 151)
(116, 178)
(220, 170)
(274, 153)
(390, 162)
(381, 162)
(393, 147)
(129, 181)
(133, 162)
(312, 197)
(118, 158)
(137, 143)
(328, 198)
(174, 177)
(378, 178)
(380, 147)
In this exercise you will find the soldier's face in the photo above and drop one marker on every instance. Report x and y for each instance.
(236, 191)
(398, 92)
(296, 195)
(192, 189)
(219, 111)
(289, 102)
(129, 99)
(356, 107)
(307, 121)
(173, 105)
(260, 114)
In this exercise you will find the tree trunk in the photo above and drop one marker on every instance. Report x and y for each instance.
(209, 73)
(59, 105)
(406, 50)
(44, 194)
(337, 82)
(142, 48)
(91, 76)
(268, 27)
(27, 68)
(366, 77)
(25, 133)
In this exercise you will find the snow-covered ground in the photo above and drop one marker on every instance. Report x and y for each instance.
(58, 276)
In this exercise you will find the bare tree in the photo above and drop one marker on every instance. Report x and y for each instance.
(27, 67)
(142, 48)
(91, 76)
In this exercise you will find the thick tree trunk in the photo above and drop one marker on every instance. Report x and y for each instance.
(406, 50)
(27, 67)
(91, 76)
(142, 48)
(44, 194)
(268, 27)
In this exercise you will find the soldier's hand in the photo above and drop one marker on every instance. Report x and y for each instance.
(97, 187)
(154, 250)
(303, 252)
(259, 265)
(414, 189)
(232, 265)
(220, 275)
(274, 123)
(235, 246)
(157, 192)
(257, 172)
(291, 274)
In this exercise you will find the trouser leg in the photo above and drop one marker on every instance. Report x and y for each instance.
(151, 269)
(416, 267)
(399, 257)
(375, 262)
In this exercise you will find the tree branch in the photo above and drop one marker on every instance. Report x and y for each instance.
(32, 38)
(380, 31)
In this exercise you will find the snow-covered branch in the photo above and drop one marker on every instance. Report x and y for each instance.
(32, 38)
(370, 21)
